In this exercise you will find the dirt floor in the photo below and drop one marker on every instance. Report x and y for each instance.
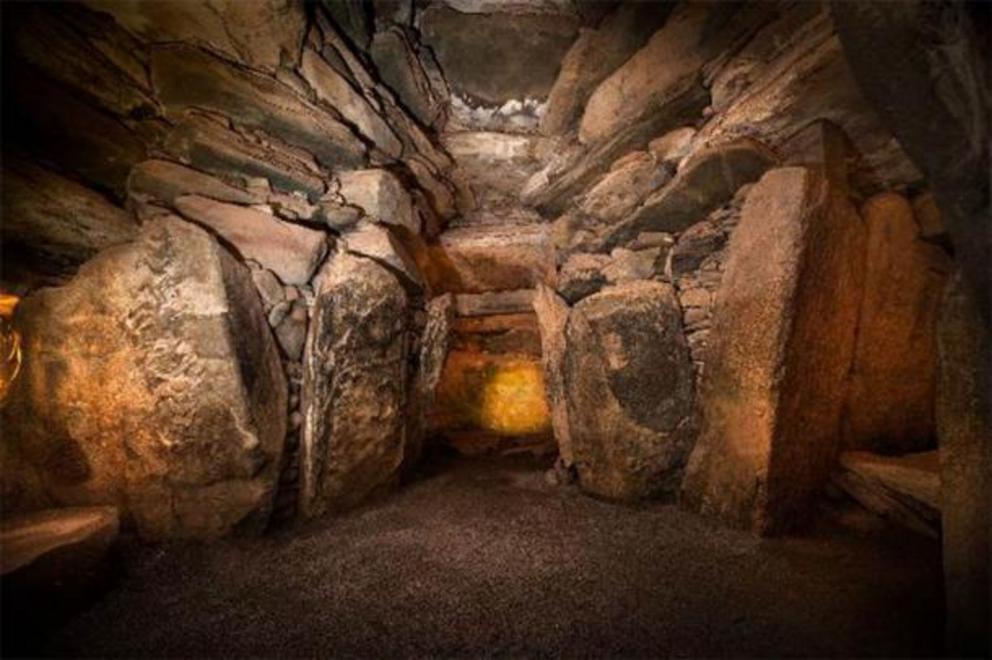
(484, 558)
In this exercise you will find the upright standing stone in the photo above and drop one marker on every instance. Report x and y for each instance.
(629, 388)
(965, 432)
(890, 407)
(552, 319)
(354, 385)
(151, 382)
(779, 355)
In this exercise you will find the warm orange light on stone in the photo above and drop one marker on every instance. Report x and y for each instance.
(10, 345)
(503, 394)
(514, 402)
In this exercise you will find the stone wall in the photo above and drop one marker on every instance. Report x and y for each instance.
(262, 123)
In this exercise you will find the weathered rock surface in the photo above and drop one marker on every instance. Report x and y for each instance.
(382, 245)
(708, 180)
(594, 56)
(290, 251)
(47, 547)
(354, 385)
(893, 380)
(189, 78)
(665, 67)
(491, 258)
(335, 90)
(400, 68)
(582, 275)
(779, 354)
(626, 185)
(552, 319)
(493, 58)
(151, 382)
(60, 222)
(965, 430)
(213, 148)
(165, 181)
(494, 302)
(495, 166)
(259, 33)
(381, 196)
(629, 391)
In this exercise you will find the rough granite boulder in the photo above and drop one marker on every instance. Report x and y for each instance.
(552, 319)
(894, 377)
(355, 386)
(779, 354)
(629, 388)
(151, 382)
(381, 196)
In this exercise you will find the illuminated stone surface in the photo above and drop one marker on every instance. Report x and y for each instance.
(151, 381)
(779, 353)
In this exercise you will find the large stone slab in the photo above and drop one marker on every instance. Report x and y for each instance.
(964, 425)
(707, 181)
(648, 80)
(400, 68)
(594, 56)
(491, 258)
(165, 181)
(58, 221)
(493, 58)
(382, 245)
(495, 166)
(210, 147)
(355, 385)
(629, 391)
(338, 92)
(259, 33)
(779, 353)
(190, 78)
(151, 382)
(894, 377)
(290, 251)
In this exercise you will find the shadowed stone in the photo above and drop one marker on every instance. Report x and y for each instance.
(629, 391)
(354, 385)
(165, 181)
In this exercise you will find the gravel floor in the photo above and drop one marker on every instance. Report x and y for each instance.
(483, 558)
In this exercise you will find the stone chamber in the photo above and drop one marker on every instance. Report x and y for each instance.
(495, 327)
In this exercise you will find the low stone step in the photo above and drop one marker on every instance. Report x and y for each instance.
(46, 547)
(494, 302)
(905, 489)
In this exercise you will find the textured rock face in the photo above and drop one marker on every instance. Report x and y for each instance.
(61, 222)
(779, 354)
(494, 58)
(354, 385)
(291, 251)
(495, 166)
(381, 197)
(498, 258)
(893, 380)
(186, 77)
(257, 32)
(399, 67)
(629, 390)
(669, 61)
(151, 382)
(965, 429)
(707, 181)
(166, 181)
(594, 56)
(46, 548)
(552, 319)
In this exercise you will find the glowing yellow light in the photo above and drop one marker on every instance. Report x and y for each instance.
(513, 401)
(10, 345)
